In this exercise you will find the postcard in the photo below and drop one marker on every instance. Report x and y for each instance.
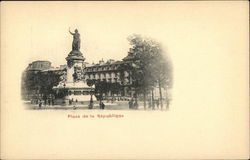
(125, 80)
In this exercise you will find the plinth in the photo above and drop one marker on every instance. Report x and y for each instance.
(74, 90)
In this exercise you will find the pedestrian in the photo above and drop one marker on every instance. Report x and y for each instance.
(40, 103)
(130, 104)
(100, 104)
(91, 105)
(103, 105)
(135, 105)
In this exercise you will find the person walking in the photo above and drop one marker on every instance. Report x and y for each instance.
(135, 105)
(130, 103)
(103, 105)
(40, 103)
(49, 102)
(100, 104)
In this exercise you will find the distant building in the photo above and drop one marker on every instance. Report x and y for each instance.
(111, 71)
(104, 71)
(32, 78)
(39, 65)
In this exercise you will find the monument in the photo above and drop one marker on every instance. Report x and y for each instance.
(73, 88)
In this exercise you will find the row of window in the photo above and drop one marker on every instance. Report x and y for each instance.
(79, 92)
(102, 75)
(114, 80)
(90, 69)
(105, 75)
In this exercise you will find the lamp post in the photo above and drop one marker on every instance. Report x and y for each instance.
(91, 99)
(90, 83)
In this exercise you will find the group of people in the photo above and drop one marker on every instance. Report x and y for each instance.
(71, 101)
(102, 105)
(41, 102)
(156, 103)
(133, 104)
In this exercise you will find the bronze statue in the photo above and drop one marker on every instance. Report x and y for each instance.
(76, 40)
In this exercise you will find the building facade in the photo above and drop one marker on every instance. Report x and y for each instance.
(106, 71)
(110, 71)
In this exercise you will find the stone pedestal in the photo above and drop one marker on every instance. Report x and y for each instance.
(75, 61)
(75, 89)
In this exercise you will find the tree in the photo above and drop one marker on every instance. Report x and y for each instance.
(47, 80)
(30, 85)
(148, 66)
(101, 87)
(41, 83)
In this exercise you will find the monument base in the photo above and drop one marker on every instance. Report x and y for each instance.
(75, 93)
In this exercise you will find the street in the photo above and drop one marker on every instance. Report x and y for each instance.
(118, 105)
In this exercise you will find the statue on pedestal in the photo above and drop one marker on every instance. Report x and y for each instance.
(76, 40)
(75, 54)
(73, 85)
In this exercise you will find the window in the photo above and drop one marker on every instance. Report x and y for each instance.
(84, 93)
(77, 92)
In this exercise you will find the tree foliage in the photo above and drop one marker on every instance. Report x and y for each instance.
(149, 65)
(41, 82)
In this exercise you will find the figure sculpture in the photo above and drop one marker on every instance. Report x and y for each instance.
(76, 40)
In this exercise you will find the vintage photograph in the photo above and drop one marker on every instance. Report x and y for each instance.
(141, 80)
(124, 80)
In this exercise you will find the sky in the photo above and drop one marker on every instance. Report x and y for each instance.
(41, 30)
(103, 32)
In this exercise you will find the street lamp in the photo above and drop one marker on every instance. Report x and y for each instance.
(91, 99)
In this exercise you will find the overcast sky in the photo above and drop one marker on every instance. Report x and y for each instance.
(41, 29)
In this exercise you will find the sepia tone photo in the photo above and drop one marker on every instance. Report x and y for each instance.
(138, 81)
(124, 80)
